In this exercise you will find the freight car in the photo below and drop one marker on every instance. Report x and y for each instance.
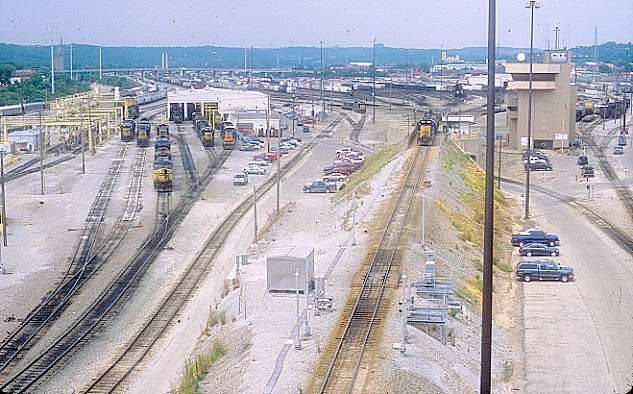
(425, 131)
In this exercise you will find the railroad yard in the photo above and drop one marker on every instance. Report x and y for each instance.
(146, 272)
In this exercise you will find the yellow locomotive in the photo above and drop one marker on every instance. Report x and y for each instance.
(425, 130)
(163, 175)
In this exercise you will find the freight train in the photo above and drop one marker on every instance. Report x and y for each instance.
(425, 130)
(163, 175)
(356, 106)
(205, 132)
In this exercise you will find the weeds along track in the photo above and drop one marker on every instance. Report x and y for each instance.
(620, 237)
(347, 363)
(123, 366)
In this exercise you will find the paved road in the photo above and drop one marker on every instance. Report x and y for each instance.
(579, 335)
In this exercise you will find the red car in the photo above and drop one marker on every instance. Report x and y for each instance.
(309, 121)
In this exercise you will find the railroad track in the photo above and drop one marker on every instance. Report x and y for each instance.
(620, 237)
(623, 192)
(106, 304)
(357, 127)
(123, 366)
(39, 320)
(370, 307)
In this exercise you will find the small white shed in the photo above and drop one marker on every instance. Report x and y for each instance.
(281, 264)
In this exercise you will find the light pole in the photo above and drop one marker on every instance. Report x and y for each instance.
(406, 75)
(297, 338)
(4, 199)
(486, 302)
(322, 101)
(293, 114)
(52, 61)
(374, 84)
(532, 4)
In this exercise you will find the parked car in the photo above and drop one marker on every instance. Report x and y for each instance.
(309, 121)
(534, 236)
(587, 170)
(535, 154)
(340, 170)
(622, 140)
(256, 163)
(255, 170)
(543, 270)
(300, 123)
(283, 150)
(540, 165)
(538, 250)
(248, 147)
(618, 150)
(241, 178)
(582, 160)
(346, 150)
(335, 177)
(306, 129)
(319, 187)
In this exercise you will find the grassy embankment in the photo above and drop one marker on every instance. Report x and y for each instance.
(196, 368)
(469, 222)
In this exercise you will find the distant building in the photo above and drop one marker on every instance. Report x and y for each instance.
(21, 75)
(553, 102)
(360, 65)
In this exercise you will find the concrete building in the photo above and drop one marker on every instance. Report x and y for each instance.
(225, 101)
(254, 122)
(553, 102)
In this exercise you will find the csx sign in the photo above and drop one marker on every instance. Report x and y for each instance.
(558, 57)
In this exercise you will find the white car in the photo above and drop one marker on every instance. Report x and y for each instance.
(346, 150)
(335, 177)
(255, 170)
(258, 163)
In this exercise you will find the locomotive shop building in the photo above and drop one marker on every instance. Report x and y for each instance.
(225, 101)
(553, 102)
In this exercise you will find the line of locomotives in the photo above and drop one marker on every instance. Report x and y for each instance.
(163, 174)
(206, 132)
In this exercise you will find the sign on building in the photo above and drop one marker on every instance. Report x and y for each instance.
(560, 136)
(558, 57)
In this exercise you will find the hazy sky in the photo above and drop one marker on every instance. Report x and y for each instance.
(267, 23)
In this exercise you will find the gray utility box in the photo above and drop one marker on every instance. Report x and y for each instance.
(281, 264)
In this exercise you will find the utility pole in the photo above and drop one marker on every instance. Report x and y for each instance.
(441, 68)
(293, 114)
(403, 344)
(532, 4)
(41, 155)
(100, 70)
(297, 338)
(322, 101)
(255, 211)
(4, 199)
(390, 87)
(278, 168)
(268, 124)
(556, 30)
(406, 75)
(83, 145)
(486, 303)
(71, 61)
(353, 219)
(374, 83)
(52, 61)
